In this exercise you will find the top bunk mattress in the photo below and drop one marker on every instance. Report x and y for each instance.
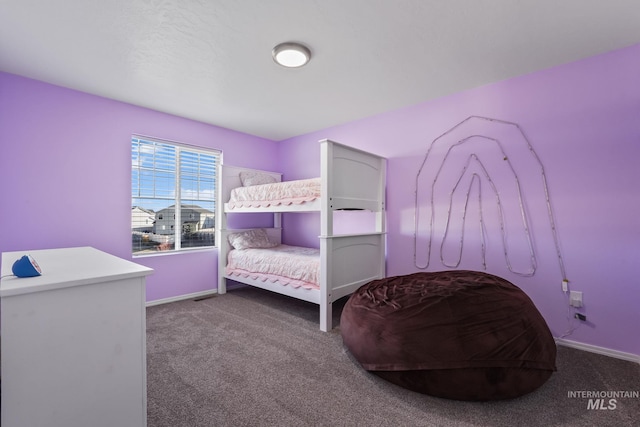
(275, 194)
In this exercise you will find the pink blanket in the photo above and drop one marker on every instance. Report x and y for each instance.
(288, 265)
(275, 194)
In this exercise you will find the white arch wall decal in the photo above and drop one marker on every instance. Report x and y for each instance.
(476, 179)
(455, 149)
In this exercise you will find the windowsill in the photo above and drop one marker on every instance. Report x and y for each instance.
(179, 252)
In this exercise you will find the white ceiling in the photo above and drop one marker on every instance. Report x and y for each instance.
(210, 60)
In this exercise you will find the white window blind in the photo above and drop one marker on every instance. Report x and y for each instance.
(173, 189)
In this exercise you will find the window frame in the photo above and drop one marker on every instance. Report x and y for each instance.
(178, 203)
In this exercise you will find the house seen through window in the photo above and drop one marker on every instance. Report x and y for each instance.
(173, 190)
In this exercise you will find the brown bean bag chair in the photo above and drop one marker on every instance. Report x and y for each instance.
(461, 335)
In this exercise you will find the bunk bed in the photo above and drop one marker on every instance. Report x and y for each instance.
(350, 179)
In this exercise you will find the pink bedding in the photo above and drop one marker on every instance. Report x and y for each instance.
(275, 194)
(288, 265)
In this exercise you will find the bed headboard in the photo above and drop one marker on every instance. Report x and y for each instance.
(353, 178)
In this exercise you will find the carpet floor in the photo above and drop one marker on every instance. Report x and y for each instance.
(255, 358)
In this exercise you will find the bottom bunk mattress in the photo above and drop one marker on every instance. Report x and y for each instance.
(283, 264)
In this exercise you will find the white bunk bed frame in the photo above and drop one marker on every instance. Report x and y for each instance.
(350, 179)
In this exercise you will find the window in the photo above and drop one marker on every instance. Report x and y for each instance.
(173, 190)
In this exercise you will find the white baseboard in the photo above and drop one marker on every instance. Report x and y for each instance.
(599, 350)
(180, 298)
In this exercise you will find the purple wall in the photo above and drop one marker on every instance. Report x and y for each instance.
(65, 175)
(65, 179)
(583, 120)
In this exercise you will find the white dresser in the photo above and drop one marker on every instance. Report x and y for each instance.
(73, 341)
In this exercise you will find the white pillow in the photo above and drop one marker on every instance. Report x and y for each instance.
(256, 178)
(255, 238)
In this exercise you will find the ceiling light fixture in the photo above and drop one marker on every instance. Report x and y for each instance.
(291, 55)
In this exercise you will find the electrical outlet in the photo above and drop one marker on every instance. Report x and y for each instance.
(575, 298)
